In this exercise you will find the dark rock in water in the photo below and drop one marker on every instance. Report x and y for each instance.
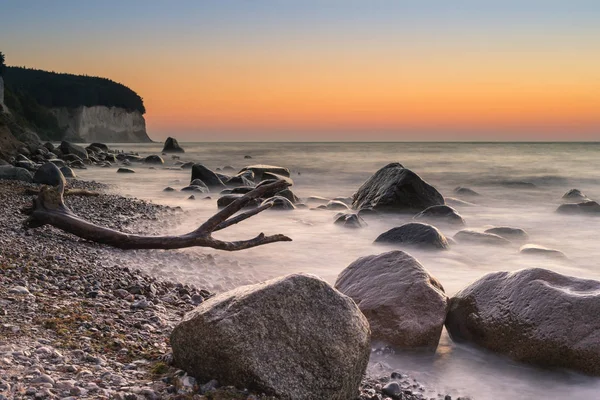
(535, 249)
(586, 207)
(279, 203)
(224, 201)
(509, 233)
(198, 182)
(207, 176)
(260, 169)
(125, 170)
(350, 221)
(68, 172)
(471, 236)
(72, 158)
(154, 159)
(405, 305)
(465, 191)
(415, 234)
(192, 197)
(288, 194)
(10, 172)
(319, 350)
(168, 189)
(574, 194)
(533, 315)
(171, 146)
(270, 175)
(195, 188)
(100, 146)
(239, 180)
(70, 148)
(395, 188)
(519, 184)
(223, 177)
(441, 213)
(336, 205)
(247, 157)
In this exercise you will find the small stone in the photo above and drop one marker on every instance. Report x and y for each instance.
(392, 389)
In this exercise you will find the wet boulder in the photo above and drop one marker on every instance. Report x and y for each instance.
(279, 203)
(49, 174)
(396, 189)
(585, 207)
(349, 220)
(68, 172)
(195, 188)
(207, 176)
(465, 191)
(245, 178)
(508, 233)
(260, 169)
(415, 234)
(441, 213)
(293, 337)
(13, 173)
(336, 205)
(288, 194)
(575, 195)
(172, 146)
(71, 148)
(154, 160)
(100, 146)
(533, 315)
(537, 250)
(405, 305)
(125, 171)
(476, 237)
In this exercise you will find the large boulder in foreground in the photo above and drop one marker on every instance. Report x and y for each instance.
(405, 305)
(210, 179)
(532, 315)
(49, 174)
(293, 337)
(415, 234)
(171, 146)
(397, 189)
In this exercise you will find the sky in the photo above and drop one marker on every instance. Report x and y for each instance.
(330, 70)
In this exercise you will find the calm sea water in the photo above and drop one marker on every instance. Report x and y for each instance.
(337, 170)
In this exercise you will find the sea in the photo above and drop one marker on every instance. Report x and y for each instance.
(520, 185)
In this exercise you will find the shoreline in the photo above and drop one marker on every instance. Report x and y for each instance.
(78, 322)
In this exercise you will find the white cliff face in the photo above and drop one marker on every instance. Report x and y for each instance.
(103, 124)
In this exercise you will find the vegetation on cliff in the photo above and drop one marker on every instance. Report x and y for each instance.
(51, 89)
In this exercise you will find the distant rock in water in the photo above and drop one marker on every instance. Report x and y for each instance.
(49, 174)
(125, 171)
(154, 159)
(349, 220)
(575, 194)
(415, 234)
(586, 207)
(533, 315)
(442, 213)
(172, 146)
(535, 249)
(471, 236)
(396, 189)
(508, 232)
(465, 191)
(168, 189)
(318, 348)
(405, 305)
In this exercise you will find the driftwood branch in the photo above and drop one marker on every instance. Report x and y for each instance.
(49, 209)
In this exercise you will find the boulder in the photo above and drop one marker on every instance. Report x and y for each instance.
(71, 148)
(168, 189)
(271, 175)
(405, 306)
(72, 158)
(465, 191)
(279, 203)
(336, 205)
(125, 171)
(532, 315)
(288, 194)
(207, 176)
(195, 188)
(100, 146)
(349, 220)
(293, 337)
(12, 173)
(260, 169)
(415, 234)
(49, 146)
(441, 213)
(242, 179)
(398, 189)
(575, 194)
(475, 237)
(198, 182)
(585, 207)
(535, 249)
(508, 232)
(49, 174)
(154, 159)
(172, 146)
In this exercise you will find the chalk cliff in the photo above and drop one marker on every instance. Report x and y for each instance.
(102, 124)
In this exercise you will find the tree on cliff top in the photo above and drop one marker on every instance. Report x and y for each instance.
(2, 64)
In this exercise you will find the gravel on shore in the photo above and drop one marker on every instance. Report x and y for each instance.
(76, 322)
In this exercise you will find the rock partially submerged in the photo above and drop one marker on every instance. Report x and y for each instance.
(585, 207)
(532, 315)
(260, 169)
(349, 220)
(575, 194)
(172, 146)
(465, 191)
(293, 337)
(536, 249)
(210, 179)
(125, 171)
(415, 234)
(395, 188)
(476, 237)
(405, 305)
(441, 213)
(508, 233)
